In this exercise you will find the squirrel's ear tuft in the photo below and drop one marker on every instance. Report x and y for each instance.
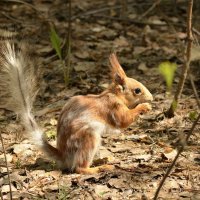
(118, 79)
(117, 71)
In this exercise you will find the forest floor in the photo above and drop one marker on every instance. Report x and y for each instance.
(141, 154)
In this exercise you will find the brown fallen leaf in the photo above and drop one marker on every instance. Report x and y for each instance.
(142, 66)
(119, 149)
(169, 155)
(53, 122)
(145, 157)
(6, 189)
(101, 190)
(139, 49)
(117, 183)
(84, 66)
(103, 157)
(82, 54)
(172, 184)
(195, 53)
(9, 158)
(20, 148)
(136, 137)
(121, 42)
(51, 187)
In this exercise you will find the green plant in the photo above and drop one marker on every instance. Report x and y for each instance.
(193, 115)
(56, 43)
(51, 134)
(18, 164)
(63, 193)
(102, 193)
(167, 70)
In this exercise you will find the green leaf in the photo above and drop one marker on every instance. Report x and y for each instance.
(51, 134)
(167, 70)
(193, 115)
(56, 42)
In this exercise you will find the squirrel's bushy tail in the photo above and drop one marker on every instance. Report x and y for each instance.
(18, 88)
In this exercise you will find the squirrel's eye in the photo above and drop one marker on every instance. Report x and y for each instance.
(137, 91)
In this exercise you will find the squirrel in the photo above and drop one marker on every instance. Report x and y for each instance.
(82, 120)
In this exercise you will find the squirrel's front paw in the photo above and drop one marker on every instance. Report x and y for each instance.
(144, 107)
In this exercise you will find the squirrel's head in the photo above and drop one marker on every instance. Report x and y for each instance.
(130, 90)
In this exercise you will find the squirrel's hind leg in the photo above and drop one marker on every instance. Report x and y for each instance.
(85, 144)
(88, 146)
(94, 170)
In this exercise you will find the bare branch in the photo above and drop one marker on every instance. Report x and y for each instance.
(180, 150)
(177, 95)
(194, 90)
(150, 9)
(4, 152)
(170, 112)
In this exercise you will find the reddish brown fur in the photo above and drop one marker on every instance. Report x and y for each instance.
(85, 118)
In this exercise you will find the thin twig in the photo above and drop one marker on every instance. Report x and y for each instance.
(190, 76)
(100, 10)
(69, 42)
(92, 12)
(177, 95)
(124, 8)
(4, 152)
(170, 112)
(194, 90)
(22, 2)
(150, 9)
(1, 195)
(66, 47)
(133, 21)
(144, 22)
(180, 150)
(16, 20)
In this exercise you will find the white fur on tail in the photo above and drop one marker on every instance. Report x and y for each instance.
(18, 85)
(19, 79)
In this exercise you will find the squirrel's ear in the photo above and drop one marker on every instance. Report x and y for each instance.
(118, 79)
(117, 71)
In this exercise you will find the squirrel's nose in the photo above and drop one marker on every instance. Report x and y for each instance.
(148, 96)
